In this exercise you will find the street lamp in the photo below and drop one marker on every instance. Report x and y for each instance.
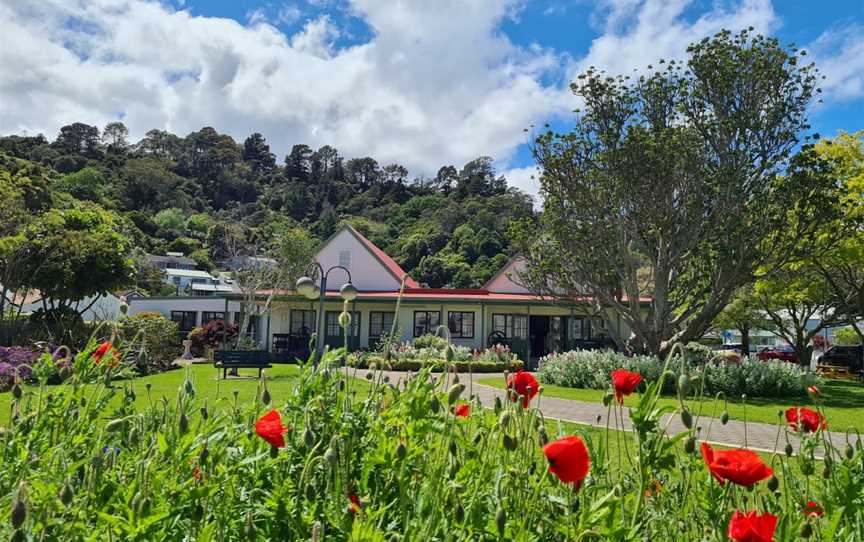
(307, 288)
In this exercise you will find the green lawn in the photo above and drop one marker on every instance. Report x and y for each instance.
(843, 402)
(219, 393)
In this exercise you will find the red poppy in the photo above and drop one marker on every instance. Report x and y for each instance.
(742, 467)
(624, 382)
(812, 509)
(196, 473)
(752, 527)
(270, 428)
(523, 384)
(100, 351)
(810, 420)
(568, 459)
(814, 391)
(354, 504)
(462, 410)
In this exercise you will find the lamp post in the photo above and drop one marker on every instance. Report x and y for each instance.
(306, 287)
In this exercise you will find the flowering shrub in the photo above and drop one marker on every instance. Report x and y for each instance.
(16, 362)
(414, 461)
(592, 369)
(213, 334)
(156, 339)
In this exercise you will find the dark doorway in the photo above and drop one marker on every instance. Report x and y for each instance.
(538, 334)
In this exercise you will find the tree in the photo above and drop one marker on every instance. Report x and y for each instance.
(667, 187)
(742, 314)
(115, 136)
(256, 151)
(75, 254)
(87, 184)
(171, 219)
(79, 138)
(793, 299)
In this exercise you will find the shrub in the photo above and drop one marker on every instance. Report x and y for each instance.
(436, 365)
(591, 369)
(430, 340)
(154, 338)
(213, 334)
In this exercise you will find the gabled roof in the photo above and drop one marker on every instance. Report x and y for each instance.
(382, 257)
(501, 271)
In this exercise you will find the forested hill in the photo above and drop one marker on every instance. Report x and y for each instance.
(187, 194)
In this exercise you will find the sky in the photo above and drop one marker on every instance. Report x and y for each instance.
(423, 83)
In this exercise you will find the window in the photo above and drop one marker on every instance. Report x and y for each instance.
(513, 326)
(186, 320)
(333, 329)
(426, 322)
(345, 258)
(210, 316)
(302, 322)
(579, 328)
(380, 323)
(461, 325)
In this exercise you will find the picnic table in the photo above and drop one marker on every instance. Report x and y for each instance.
(835, 371)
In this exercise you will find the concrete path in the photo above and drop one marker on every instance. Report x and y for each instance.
(757, 436)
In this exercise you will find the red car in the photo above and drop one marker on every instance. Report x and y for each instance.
(783, 353)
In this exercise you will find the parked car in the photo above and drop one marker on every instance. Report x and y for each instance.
(850, 356)
(781, 352)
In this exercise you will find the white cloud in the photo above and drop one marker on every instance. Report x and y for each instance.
(839, 55)
(526, 179)
(429, 88)
(288, 14)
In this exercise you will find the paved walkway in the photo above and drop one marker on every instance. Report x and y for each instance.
(757, 436)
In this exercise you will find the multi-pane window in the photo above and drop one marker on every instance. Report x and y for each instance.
(513, 326)
(579, 328)
(426, 322)
(461, 325)
(208, 316)
(345, 258)
(333, 329)
(302, 322)
(380, 323)
(185, 319)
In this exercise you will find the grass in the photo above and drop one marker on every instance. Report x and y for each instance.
(208, 384)
(842, 400)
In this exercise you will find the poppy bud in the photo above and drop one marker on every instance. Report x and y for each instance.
(459, 513)
(773, 483)
(510, 443)
(115, 425)
(806, 530)
(477, 438)
(142, 505)
(724, 417)
(344, 320)
(197, 512)
(401, 451)
(826, 472)
(543, 437)
(309, 491)
(435, 404)
(686, 418)
(452, 448)
(16, 391)
(454, 392)
(265, 397)
(19, 513)
(204, 412)
(203, 455)
(395, 538)
(448, 353)
(308, 438)
(274, 451)
(235, 393)
(498, 404)
(183, 423)
(684, 385)
(789, 450)
(690, 445)
(607, 399)
(66, 494)
(500, 520)
(330, 456)
(848, 451)
(807, 468)
(188, 387)
(504, 420)
(133, 435)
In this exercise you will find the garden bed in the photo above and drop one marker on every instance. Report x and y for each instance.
(436, 365)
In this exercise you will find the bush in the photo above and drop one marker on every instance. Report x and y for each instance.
(436, 365)
(155, 338)
(430, 340)
(591, 369)
(214, 334)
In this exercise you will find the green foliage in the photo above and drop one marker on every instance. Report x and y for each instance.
(86, 184)
(155, 338)
(171, 219)
(77, 253)
(846, 336)
(592, 368)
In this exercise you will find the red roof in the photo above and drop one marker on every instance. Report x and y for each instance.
(461, 294)
(386, 260)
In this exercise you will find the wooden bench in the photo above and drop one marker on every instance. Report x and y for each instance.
(241, 359)
(835, 371)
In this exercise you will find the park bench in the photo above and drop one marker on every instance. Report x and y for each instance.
(241, 359)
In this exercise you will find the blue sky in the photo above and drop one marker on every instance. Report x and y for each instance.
(423, 83)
